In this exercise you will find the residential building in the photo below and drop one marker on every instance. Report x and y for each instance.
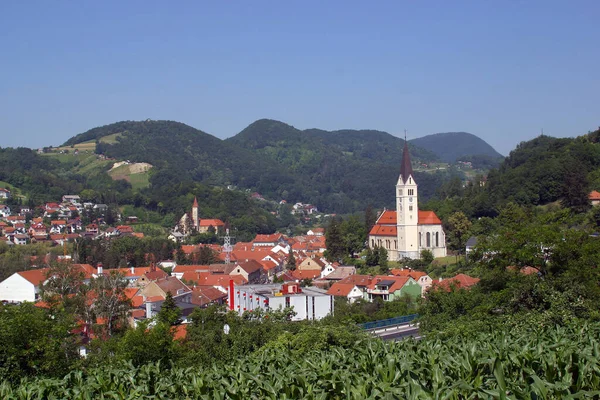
(308, 303)
(346, 290)
(4, 193)
(390, 288)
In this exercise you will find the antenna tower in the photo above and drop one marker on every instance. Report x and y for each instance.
(227, 246)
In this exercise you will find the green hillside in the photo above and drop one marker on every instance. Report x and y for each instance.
(454, 146)
(541, 171)
(333, 170)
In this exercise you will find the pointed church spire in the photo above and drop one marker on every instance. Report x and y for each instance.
(195, 205)
(406, 167)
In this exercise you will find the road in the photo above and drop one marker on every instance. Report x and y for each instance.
(397, 332)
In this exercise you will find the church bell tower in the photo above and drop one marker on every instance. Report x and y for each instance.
(407, 209)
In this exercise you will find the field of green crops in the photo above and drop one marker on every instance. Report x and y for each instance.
(557, 363)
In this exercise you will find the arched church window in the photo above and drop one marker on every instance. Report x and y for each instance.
(437, 239)
(372, 242)
(395, 245)
(420, 237)
(428, 239)
(399, 192)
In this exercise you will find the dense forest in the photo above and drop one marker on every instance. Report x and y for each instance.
(542, 171)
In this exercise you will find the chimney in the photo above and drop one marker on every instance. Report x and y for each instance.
(100, 269)
(132, 270)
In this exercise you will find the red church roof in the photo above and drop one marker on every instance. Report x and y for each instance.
(386, 224)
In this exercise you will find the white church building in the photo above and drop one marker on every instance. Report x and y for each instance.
(407, 231)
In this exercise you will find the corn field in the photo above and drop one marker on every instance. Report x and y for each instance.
(556, 363)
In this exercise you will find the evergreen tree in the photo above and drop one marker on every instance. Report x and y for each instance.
(370, 218)
(291, 261)
(169, 313)
(334, 240)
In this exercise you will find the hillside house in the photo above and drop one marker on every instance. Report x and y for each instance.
(4, 193)
(594, 197)
(421, 277)
(347, 290)
(25, 285)
(4, 210)
(390, 288)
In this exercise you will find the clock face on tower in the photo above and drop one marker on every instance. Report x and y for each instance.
(410, 199)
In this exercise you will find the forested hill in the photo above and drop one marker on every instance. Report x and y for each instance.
(339, 172)
(454, 146)
(275, 138)
(538, 172)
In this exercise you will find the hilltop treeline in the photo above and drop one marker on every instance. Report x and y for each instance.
(538, 172)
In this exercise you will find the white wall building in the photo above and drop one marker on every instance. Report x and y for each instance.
(22, 286)
(309, 303)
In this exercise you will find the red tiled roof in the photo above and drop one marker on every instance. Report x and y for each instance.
(58, 222)
(35, 276)
(428, 218)
(306, 274)
(460, 281)
(250, 266)
(138, 314)
(211, 222)
(179, 332)
(267, 238)
(207, 279)
(383, 230)
(268, 265)
(408, 272)
(389, 218)
(190, 248)
(341, 289)
(594, 195)
(358, 280)
(399, 281)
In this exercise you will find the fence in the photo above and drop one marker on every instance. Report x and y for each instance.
(389, 322)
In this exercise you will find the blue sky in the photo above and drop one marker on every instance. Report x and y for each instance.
(502, 70)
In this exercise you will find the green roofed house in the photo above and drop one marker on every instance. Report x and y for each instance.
(391, 288)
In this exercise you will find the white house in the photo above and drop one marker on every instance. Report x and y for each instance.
(348, 290)
(23, 286)
(309, 303)
(4, 193)
(4, 210)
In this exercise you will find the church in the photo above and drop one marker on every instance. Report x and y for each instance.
(408, 231)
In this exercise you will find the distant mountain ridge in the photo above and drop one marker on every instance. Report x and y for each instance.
(340, 171)
(451, 146)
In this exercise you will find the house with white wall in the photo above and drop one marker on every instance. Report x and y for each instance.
(309, 303)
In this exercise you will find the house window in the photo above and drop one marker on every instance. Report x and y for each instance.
(287, 301)
(372, 242)
(428, 239)
(395, 244)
